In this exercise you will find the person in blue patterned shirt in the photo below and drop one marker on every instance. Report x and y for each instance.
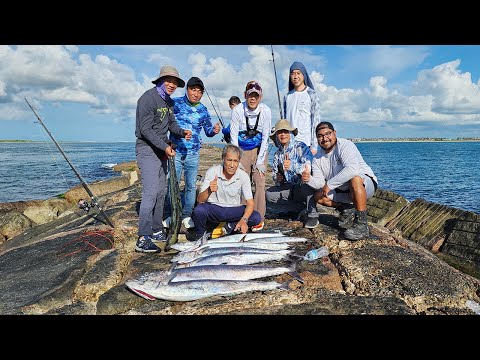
(193, 115)
(290, 160)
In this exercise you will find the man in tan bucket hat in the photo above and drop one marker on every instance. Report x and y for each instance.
(168, 70)
(154, 119)
(290, 160)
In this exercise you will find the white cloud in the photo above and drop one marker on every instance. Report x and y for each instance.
(111, 84)
(453, 91)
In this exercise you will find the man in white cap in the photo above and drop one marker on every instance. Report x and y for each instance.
(290, 160)
(249, 129)
(154, 118)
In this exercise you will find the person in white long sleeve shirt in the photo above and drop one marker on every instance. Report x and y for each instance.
(249, 130)
(302, 105)
(341, 178)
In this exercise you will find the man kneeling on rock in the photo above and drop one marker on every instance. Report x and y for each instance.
(343, 180)
(220, 197)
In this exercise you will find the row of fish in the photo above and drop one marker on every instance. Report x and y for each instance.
(221, 266)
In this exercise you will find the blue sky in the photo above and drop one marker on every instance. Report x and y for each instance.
(89, 93)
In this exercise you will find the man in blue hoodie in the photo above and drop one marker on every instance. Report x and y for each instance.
(302, 106)
(190, 114)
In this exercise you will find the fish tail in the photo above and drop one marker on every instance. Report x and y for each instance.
(296, 276)
(284, 286)
(142, 293)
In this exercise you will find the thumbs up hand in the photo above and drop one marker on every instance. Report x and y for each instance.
(306, 173)
(213, 184)
(286, 162)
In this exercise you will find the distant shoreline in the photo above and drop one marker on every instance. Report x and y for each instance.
(222, 143)
(384, 141)
(413, 140)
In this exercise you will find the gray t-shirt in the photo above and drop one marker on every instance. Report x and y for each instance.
(229, 192)
(339, 166)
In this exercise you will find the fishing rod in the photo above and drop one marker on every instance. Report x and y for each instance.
(216, 100)
(218, 116)
(276, 81)
(211, 102)
(82, 204)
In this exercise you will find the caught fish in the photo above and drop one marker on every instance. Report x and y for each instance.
(229, 238)
(188, 256)
(246, 237)
(176, 204)
(229, 272)
(269, 246)
(237, 258)
(198, 289)
(279, 239)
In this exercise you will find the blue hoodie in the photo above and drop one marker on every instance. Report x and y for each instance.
(297, 65)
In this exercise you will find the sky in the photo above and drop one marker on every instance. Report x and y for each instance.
(89, 92)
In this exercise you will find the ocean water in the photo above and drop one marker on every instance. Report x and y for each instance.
(447, 173)
(37, 170)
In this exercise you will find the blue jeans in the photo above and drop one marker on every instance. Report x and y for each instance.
(188, 164)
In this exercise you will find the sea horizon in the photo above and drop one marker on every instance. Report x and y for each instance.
(439, 172)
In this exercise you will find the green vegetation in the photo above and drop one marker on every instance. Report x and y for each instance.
(16, 140)
(61, 196)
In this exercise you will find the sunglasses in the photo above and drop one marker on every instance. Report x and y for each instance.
(253, 85)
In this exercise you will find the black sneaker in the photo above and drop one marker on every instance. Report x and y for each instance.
(228, 228)
(159, 236)
(145, 244)
(311, 223)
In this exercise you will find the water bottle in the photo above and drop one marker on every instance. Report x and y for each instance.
(314, 254)
(474, 306)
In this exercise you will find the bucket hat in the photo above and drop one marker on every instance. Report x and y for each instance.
(168, 70)
(283, 124)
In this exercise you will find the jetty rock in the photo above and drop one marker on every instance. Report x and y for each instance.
(420, 258)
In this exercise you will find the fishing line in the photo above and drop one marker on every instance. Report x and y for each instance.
(218, 116)
(216, 100)
(88, 241)
(58, 167)
(82, 203)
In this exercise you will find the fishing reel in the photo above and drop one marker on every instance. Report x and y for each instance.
(85, 206)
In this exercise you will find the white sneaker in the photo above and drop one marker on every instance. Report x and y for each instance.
(166, 222)
(188, 223)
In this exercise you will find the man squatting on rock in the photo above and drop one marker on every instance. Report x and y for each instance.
(341, 177)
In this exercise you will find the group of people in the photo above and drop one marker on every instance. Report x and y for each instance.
(333, 175)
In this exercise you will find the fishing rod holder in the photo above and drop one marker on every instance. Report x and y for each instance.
(85, 206)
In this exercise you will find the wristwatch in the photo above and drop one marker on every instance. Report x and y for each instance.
(245, 219)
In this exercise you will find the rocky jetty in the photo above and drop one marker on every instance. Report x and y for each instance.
(419, 259)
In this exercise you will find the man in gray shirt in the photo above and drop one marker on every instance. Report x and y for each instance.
(154, 119)
(341, 178)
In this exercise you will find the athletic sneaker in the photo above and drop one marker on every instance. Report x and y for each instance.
(228, 228)
(145, 244)
(188, 223)
(159, 236)
(258, 227)
(166, 222)
(311, 223)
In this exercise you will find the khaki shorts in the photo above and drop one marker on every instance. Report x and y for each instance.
(344, 197)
